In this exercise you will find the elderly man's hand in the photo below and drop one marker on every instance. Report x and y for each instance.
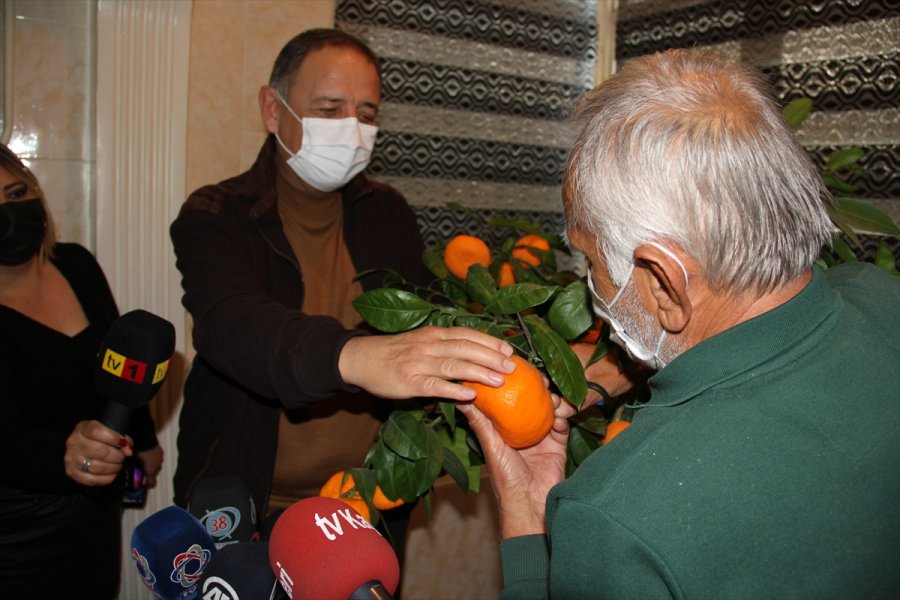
(425, 363)
(521, 479)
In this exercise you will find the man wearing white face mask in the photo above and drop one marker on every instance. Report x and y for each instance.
(283, 392)
(766, 462)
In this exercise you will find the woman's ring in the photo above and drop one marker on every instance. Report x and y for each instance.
(86, 465)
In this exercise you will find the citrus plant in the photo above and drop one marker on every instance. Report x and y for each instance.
(515, 292)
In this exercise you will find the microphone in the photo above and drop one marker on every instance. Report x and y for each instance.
(322, 549)
(170, 550)
(241, 572)
(224, 506)
(132, 363)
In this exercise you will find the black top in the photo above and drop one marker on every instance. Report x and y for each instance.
(47, 381)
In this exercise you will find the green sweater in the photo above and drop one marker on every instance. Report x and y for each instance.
(765, 465)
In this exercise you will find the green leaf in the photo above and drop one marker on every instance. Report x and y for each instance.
(843, 158)
(480, 285)
(560, 361)
(885, 259)
(388, 465)
(454, 289)
(434, 263)
(518, 297)
(430, 466)
(796, 111)
(581, 444)
(392, 310)
(514, 224)
(841, 248)
(569, 314)
(836, 183)
(448, 409)
(405, 435)
(457, 471)
(458, 207)
(442, 318)
(862, 216)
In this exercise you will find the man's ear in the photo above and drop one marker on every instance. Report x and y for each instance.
(269, 108)
(662, 281)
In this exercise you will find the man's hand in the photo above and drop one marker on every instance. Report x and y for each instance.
(95, 453)
(425, 362)
(521, 479)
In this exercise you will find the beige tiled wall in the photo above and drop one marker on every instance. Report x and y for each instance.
(233, 46)
(51, 109)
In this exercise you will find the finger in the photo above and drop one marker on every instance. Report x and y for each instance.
(478, 337)
(98, 432)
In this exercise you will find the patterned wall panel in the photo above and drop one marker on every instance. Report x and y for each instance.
(841, 53)
(475, 93)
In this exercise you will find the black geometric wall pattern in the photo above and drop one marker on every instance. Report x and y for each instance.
(841, 53)
(475, 94)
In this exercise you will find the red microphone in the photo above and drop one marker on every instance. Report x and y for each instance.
(322, 549)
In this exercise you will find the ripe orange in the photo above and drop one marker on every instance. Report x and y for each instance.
(463, 251)
(507, 277)
(521, 409)
(336, 486)
(360, 506)
(524, 254)
(614, 428)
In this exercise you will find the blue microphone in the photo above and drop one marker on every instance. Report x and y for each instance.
(171, 550)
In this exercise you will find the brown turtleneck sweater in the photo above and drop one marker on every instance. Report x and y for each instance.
(318, 440)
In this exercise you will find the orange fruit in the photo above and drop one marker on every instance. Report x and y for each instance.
(360, 506)
(337, 486)
(522, 253)
(521, 409)
(463, 251)
(506, 276)
(614, 428)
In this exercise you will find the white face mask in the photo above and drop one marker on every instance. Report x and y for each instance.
(332, 152)
(636, 350)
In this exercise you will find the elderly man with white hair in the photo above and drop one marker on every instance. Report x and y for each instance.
(766, 463)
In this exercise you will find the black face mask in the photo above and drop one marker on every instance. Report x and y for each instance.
(22, 227)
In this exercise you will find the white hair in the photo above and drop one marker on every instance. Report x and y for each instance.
(685, 147)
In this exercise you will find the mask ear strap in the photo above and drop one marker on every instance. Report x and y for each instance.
(673, 257)
(290, 110)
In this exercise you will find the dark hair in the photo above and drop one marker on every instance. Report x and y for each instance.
(300, 46)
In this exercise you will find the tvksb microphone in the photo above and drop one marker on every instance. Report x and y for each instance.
(322, 549)
(241, 572)
(132, 364)
(224, 506)
(171, 550)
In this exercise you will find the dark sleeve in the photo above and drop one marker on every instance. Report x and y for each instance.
(239, 329)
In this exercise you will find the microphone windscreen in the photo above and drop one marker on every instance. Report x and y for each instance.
(240, 572)
(134, 358)
(225, 507)
(170, 550)
(322, 549)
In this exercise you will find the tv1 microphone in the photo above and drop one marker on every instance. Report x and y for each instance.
(170, 550)
(224, 506)
(322, 549)
(132, 364)
(241, 572)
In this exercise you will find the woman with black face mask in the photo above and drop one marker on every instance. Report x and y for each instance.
(61, 474)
